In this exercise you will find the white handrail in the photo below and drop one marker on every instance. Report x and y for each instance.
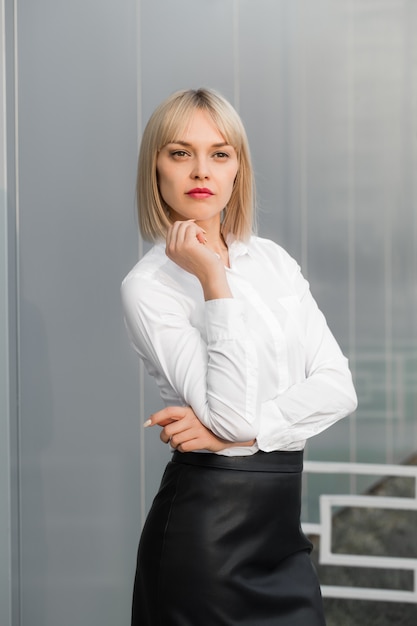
(323, 529)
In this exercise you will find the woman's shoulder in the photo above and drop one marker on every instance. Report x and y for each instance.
(147, 266)
(145, 278)
(154, 281)
(269, 249)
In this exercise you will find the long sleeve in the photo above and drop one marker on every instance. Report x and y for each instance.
(321, 394)
(262, 365)
(209, 365)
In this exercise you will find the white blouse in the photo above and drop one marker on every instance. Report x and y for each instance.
(262, 365)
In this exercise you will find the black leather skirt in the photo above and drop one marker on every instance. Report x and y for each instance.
(223, 546)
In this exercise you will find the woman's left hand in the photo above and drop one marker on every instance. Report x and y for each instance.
(182, 429)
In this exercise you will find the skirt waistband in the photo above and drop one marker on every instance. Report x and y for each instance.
(279, 461)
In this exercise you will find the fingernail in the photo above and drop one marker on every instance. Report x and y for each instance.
(147, 423)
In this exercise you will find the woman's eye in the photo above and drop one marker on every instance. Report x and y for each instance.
(179, 153)
(221, 155)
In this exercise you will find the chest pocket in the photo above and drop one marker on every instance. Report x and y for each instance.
(288, 311)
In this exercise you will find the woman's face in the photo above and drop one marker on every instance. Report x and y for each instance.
(196, 172)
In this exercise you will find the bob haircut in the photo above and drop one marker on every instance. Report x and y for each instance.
(166, 125)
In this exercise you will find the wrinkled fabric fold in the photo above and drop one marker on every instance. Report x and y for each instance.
(223, 545)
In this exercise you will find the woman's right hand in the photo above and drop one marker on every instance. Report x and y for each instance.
(185, 245)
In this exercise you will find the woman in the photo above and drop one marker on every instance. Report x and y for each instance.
(247, 369)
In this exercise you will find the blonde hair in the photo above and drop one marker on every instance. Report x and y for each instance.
(165, 125)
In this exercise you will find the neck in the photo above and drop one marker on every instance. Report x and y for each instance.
(215, 240)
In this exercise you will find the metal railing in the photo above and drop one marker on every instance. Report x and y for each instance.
(324, 529)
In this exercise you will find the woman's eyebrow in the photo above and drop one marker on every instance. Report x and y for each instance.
(222, 144)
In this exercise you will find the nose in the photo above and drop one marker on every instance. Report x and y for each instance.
(200, 169)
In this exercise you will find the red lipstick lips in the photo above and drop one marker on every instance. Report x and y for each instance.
(200, 192)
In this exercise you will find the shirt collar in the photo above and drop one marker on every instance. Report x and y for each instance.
(236, 247)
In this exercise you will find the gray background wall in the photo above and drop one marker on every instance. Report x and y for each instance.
(328, 92)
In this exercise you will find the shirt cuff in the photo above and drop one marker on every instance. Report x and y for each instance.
(225, 319)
